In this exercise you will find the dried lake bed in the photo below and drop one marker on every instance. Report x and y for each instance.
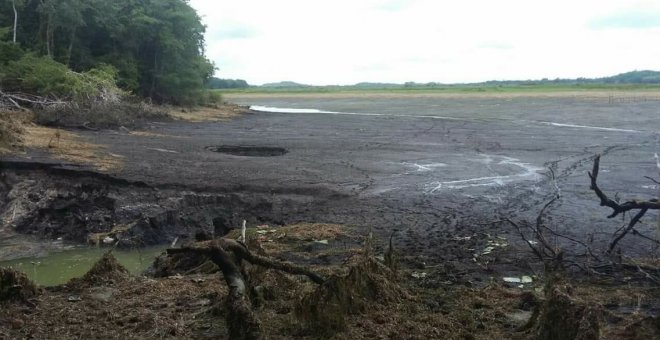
(437, 170)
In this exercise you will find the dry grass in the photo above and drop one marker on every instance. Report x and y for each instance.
(205, 114)
(70, 147)
(18, 132)
(11, 129)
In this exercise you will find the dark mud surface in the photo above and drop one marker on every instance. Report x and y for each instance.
(439, 171)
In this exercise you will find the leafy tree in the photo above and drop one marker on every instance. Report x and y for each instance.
(217, 83)
(156, 46)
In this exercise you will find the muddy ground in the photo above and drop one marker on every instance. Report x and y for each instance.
(440, 172)
(434, 168)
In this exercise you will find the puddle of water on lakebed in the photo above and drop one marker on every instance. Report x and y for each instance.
(59, 267)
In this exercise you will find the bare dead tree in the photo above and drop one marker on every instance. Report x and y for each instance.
(538, 236)
(640, 206)
(19, 101)
(540, 246)
(228, 254)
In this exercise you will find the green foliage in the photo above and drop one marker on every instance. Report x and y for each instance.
(9, 52)
(217, 83)
(156, 46)
(46, 77)
(635, 77)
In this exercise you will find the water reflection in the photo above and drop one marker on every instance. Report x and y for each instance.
(59, 267)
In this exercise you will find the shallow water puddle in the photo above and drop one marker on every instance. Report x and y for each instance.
(59, 267)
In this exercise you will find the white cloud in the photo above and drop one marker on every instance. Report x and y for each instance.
(348, 41)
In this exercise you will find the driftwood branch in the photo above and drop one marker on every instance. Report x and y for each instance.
(241, 321)
(641, 206)
(538, 235)
(652, 179)
(652, 204)
(24, 100)
(625, 231)
(244, 254)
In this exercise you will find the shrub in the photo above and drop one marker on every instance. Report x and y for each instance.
(45, 77)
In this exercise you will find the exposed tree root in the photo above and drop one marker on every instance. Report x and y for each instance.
(227, 254)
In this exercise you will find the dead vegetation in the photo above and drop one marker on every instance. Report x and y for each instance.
(15, 286)
(605, 261)
(11, 130)
(106, 271)
(359, 298)
(325, 311)
(100, 115)
(18, 133)
(208, 113)
(70, 147)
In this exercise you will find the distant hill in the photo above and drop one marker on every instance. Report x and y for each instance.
(285, 84)
(634, 77)
(368, 85)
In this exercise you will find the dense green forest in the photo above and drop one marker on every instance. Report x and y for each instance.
(217, 83)
(150, 48)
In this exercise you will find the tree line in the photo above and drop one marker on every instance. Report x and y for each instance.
(153, 48)
(218, 83)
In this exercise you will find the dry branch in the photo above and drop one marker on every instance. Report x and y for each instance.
(244, 254)
(23, 100)
(241, 321)
(652, 204)
(641, 206)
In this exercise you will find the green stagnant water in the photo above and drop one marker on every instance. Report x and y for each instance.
(61, 266)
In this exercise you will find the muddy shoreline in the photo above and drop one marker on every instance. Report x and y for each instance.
(435, 178)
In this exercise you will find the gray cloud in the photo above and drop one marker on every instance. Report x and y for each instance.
(393, 5)
(495, 45)
(630, 19)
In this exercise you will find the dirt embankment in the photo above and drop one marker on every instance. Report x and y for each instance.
(51, 201)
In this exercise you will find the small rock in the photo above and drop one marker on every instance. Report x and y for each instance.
(202, 302)
(103, 294)
(418, 275)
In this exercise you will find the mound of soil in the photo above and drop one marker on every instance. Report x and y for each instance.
(566, 317)
(106, 271)
(367, 283)
(15, 286)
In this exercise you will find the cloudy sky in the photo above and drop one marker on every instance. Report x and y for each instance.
(325, 42)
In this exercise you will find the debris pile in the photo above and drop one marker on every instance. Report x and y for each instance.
(15, 286)
(368, 282)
